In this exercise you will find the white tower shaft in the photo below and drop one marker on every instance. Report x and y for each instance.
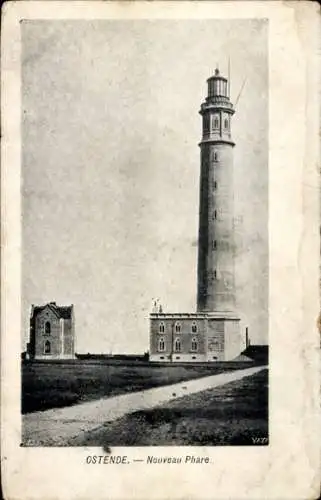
(216, 273)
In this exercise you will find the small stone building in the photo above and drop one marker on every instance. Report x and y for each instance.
(52, 332)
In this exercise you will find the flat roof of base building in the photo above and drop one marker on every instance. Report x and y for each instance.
(198, 315)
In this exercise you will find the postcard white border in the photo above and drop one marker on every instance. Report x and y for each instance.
(288, 467)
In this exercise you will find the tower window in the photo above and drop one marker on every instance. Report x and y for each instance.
(177, 345)
(226, 123)
(194, 328)
(206, 124)
(215, 156)
(215, 274)
(216, 123)
(215, 185)
(212, 276)
(47, 347)
(194, 344)
(177, 327)
(161, 328)
(214, 244)
(47, 328)
(215, 214)
(161, 345)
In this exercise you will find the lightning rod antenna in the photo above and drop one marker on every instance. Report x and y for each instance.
(240, 92)
(229, 78)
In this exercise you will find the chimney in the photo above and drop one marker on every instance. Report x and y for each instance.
(154, 309)
(247, 341)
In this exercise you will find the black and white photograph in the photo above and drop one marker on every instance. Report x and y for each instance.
(160, 256)
(145, 232)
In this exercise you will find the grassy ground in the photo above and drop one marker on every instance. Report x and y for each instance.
(53, 385)
(233, 414)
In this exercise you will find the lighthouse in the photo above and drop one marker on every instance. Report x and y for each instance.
(216, 270)
(212, 333)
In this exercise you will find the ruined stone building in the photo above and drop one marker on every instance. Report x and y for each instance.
(212, 333)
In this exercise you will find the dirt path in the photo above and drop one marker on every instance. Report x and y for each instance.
(54, 427)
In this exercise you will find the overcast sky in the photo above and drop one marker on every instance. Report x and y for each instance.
(110, 167)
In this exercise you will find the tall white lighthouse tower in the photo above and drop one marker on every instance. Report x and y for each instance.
(216, 280)
(213, 332)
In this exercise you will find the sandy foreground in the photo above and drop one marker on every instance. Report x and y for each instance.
(57, 426)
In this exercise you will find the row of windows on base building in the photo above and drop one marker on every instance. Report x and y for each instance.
(178, 327)
(177, 345)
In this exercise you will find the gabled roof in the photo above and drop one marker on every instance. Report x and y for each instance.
(64, 312)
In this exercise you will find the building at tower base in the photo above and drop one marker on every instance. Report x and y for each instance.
(194, 337)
